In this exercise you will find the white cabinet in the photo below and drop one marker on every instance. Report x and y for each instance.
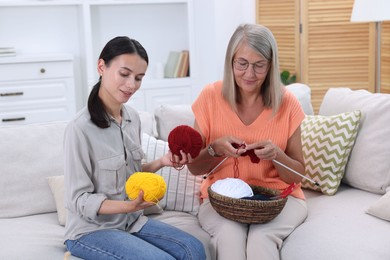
(36, 88)
(167, 91)
(83, 27)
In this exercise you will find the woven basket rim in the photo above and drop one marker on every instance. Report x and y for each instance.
(245, 210)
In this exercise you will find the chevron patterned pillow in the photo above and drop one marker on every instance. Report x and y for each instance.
(327, 142)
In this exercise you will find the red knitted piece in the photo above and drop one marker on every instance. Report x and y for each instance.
(250, 153)
(185, 138)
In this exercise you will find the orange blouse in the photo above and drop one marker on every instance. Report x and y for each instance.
(216, 119)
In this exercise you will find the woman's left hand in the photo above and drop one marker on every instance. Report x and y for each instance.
(172, 160)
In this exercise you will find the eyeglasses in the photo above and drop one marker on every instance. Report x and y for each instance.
(259, 67)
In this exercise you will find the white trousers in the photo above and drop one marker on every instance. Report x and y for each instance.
(232, 240)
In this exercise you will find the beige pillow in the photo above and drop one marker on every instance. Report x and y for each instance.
(368, 167)
(381, 208)
(56, 184)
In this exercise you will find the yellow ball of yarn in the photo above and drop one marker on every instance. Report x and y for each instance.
(152, 184)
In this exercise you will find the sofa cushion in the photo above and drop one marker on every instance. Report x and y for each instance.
(368, 167)
(337, 228)
(32, 237)
(169, 116)
(381, 208)
(303, 93)
(183, 188)
(326, 144)
(148, 123)
(56, 184)
(36, 152)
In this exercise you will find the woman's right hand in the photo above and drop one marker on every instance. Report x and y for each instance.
(139, 203)
(125, 206)
(224, 146)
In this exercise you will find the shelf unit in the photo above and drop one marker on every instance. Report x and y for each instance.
(42, 89)
(82, 27)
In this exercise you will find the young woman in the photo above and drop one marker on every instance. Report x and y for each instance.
(102, 149)
(250, 110)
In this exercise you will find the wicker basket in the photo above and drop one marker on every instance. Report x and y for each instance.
(245, 210)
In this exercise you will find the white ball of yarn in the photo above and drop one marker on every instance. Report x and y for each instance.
(232, 187)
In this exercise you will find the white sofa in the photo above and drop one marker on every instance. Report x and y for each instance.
(351, 224)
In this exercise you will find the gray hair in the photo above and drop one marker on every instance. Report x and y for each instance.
(261, 40)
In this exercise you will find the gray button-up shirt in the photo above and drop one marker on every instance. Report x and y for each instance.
(96, 169)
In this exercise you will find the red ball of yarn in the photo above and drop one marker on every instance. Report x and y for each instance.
(185, 138)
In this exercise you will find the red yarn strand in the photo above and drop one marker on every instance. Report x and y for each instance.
(235, 166)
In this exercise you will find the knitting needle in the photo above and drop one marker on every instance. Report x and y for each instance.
(210, 172)
(294, 171)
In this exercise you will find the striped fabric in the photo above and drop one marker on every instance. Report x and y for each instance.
(183, 188)
(327, 142)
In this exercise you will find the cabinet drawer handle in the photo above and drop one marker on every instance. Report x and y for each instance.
(11, 94)
(13, 119)
(43, 70)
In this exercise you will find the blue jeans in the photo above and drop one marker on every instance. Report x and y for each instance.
(156, 240)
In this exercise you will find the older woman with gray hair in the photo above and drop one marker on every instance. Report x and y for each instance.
(250, 110)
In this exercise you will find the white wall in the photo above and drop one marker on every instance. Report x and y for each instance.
(215, 21)
(230, 14)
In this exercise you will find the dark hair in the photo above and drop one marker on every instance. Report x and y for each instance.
(115, 47)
